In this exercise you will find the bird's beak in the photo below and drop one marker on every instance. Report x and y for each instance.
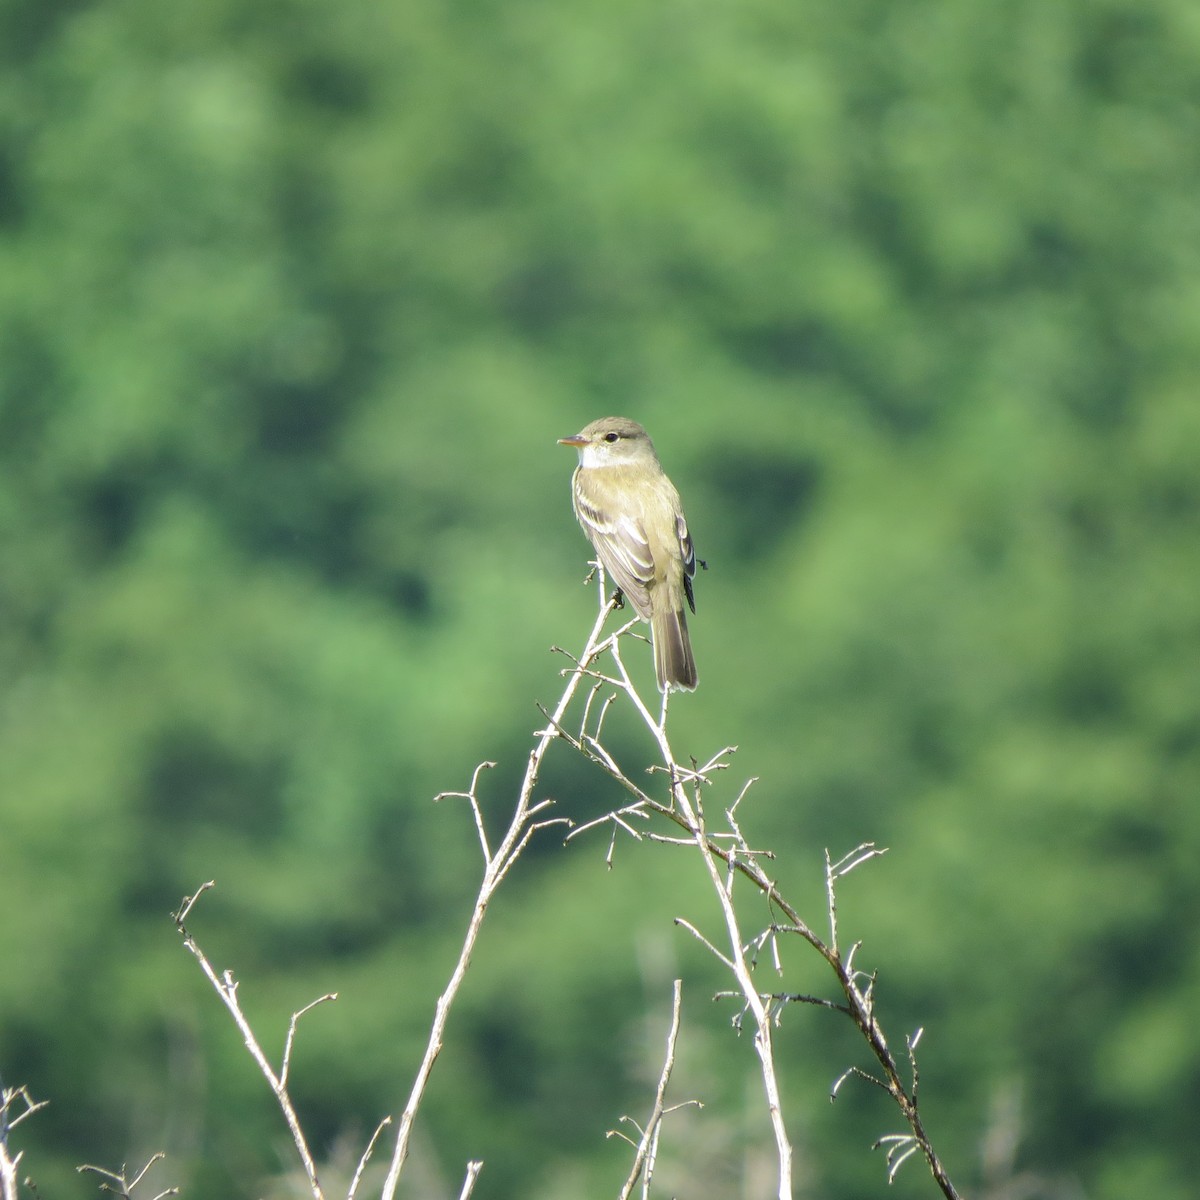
(576, 439)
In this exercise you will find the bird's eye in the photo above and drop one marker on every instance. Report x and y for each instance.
(612, 437)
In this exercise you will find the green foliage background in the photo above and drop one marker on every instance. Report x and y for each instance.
(295, 298)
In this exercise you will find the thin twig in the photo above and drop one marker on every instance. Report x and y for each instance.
(723, 959)
(473, 1169)
(366, 1156)
(291, 1035)
(118, 1183)
(643, 1160)
(9, 1120)
(472, 796)
(226, 987)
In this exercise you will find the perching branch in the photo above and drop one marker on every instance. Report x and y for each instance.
(526, 820)
(496, 864)
(726, 857)
(675, 816)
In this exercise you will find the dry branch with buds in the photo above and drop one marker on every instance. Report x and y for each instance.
(672, 814)
(16, 1104)
(727, 858)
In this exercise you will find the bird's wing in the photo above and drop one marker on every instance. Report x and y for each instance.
(621, 543)
(688, 553)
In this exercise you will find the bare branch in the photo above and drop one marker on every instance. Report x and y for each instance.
(472, 796)
(366, 1157)
(831, 902)
(291, 1034)
(141, 1174)
(721, 958)
(741, 795)
(9, 1120)
(120, 1185)
(616, 817)
(910, 1043)
(729, 850)
(856, 857)
(726, 857)
(473, 1169)
(855, 1072)
(226, 987)
(604, 710)
(189, 902)
(9, 1097)
(644, 1159)
(900, 1147)
(8, 1171)
(496, 866)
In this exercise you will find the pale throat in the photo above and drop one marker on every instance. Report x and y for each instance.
(593, 456)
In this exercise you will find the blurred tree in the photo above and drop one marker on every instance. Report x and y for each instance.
(292, 301)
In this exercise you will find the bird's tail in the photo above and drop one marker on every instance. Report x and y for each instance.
(673, 661)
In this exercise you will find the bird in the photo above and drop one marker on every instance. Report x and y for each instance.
(634, 519)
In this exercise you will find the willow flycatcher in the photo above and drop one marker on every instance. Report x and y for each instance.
(631, 512)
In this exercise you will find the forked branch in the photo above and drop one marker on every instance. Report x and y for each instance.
(646, 1148)
(496, 864)
(226, 986)
(727, 857)
(119, 1183)
(16, 1104)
